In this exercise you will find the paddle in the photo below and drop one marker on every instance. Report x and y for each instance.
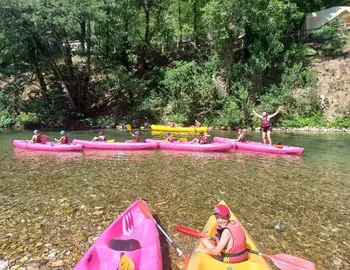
(147, 212)
(183, 140)
(282, 261)
(126, 263)
(128, 127)
(110, 141)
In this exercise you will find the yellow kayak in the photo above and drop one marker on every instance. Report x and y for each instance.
(178, 129)
(203, 261)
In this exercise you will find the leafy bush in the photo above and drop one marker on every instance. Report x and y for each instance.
(316, 120)
(6, 120)
(27, 118)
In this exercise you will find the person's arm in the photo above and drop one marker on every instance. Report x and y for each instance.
(272, 115)
(225, 237)
(258, 115)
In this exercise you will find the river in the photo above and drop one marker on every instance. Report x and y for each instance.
(54, 205)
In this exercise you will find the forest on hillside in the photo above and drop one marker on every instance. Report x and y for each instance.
(79, 62)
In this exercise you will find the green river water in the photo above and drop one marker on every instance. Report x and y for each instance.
(54, 205)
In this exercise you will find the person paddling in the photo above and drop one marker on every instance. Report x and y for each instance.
(101, 138)
(63, 139)
(136, 137)
(266, 125)
(36, 137)
(230, 246)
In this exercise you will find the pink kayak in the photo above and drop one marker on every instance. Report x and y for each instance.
(131, 234)
(115, 145)
(260, 147)
(48, 146)
(186, 146)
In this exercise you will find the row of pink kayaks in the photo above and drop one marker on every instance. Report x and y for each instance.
(218, 144)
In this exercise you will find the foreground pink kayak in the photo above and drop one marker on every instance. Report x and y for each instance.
(260, 147)
(131, 234)
(115, 145)
(49, 146)
(186, 146)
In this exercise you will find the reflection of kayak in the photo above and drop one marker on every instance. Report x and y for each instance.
(203, 261)
(132, 234)
(178, 129)
(191, 146)
(260, 147)
(49, 146)
(115, 145)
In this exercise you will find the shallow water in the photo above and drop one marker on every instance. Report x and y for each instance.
(53, 205)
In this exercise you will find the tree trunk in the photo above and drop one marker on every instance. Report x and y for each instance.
(180, 22)
(82, 35)
(64, 86)
(195, 24)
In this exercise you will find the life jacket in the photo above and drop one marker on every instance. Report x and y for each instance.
(136, 138)
(203, 139)
(37, 138)
(170, 139)
(265, 122)
(65, 139)
(238, 252)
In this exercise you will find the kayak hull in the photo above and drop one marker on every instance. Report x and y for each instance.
(203, 261)
(49, 146)
(186, 146)
(263, 148)
(115, 145)
(178, 129)
(141, 239)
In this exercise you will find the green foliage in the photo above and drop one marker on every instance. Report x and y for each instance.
(333, 40)
(223, 59)
(315, 120)
(27, 118)
(6, 119)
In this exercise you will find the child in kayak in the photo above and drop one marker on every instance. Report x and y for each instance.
(241, 136)
(136, 137)
(203, 139)
(230, 240)
(171, 123)
(266, 125)
(169, 137)
(36, 137)
(63, 139)
(101, 138)
(197, 123)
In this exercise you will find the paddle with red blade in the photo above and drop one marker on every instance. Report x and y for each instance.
(282, 261)
(148, 214)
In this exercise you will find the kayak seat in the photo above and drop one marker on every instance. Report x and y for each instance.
(124, 244)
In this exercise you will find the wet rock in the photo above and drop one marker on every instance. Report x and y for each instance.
(279, 227)
(4, 265)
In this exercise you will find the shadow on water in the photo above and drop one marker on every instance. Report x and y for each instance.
(165, 246)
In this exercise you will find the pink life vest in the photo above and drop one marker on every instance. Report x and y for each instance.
(265, 122)
(238, 252)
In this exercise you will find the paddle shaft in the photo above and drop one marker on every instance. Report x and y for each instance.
(179, 251)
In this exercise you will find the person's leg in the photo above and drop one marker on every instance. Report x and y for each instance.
(269, 137)
(264, 136)
(207, 243)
